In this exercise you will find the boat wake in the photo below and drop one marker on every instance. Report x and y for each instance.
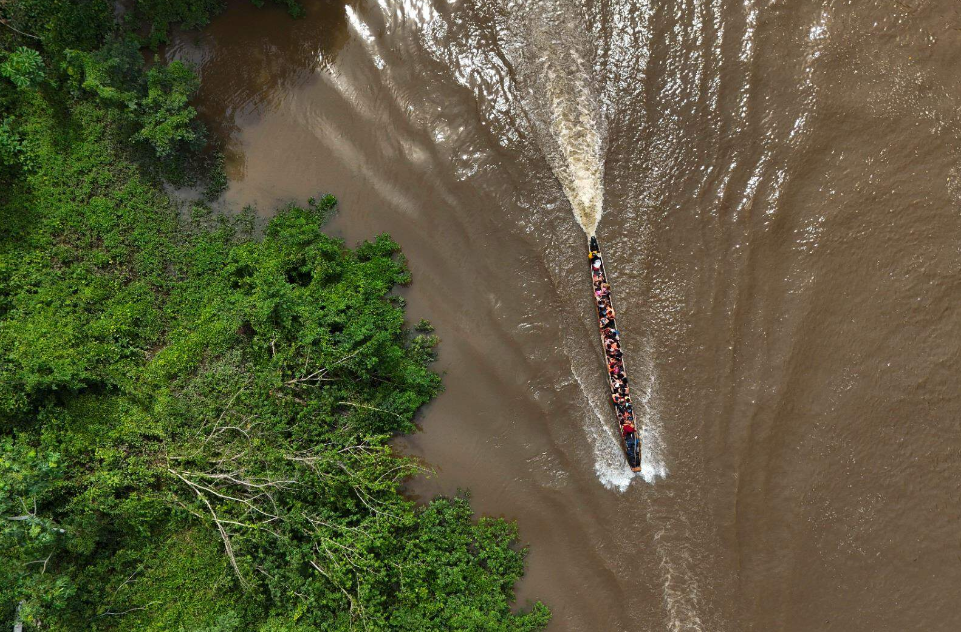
(609, 464)
(554, 70)
(535, 76)
(553, 62)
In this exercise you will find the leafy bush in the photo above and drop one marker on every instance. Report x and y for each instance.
(160, 15)
(9, 144)
(24, 67)
(166, 114)
(113, 73)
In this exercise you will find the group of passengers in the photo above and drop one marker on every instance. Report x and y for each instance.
(620, 391)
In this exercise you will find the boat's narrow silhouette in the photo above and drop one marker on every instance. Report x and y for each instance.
(616, 372)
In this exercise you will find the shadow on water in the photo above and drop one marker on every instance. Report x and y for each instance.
(250, 58)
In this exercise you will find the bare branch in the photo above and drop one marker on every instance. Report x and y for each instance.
(278, 483)
(7, 24)
(44, 562)
(345, 403)
(224, 412)
(320, 375)
(350, 598)
(128, 610)
(228, 545)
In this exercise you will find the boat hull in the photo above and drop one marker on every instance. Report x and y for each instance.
(616, 371)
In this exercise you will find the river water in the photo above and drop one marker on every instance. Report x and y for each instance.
(781, 194)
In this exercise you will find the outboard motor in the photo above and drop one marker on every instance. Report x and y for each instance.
(631, 442)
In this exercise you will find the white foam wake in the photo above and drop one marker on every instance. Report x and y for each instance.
(609, 462)
(554, 69)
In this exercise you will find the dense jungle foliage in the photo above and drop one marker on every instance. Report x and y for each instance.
(194, 420)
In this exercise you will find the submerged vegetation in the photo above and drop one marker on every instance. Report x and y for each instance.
(195, 420)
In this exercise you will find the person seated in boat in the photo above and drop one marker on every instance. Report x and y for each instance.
(602, 290)
(611, 333)
(609, 312)
(596, 263)
(615, 352)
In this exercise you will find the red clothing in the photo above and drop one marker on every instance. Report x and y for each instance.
(628, 428)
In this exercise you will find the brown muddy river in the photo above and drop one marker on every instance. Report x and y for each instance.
(781, 194)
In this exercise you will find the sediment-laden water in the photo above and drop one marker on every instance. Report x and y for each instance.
(780, 186)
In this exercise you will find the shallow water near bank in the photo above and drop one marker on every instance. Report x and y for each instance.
(780, 224)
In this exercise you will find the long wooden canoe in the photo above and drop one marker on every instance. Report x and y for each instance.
(617, 373)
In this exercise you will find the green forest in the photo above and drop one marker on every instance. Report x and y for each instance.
(195, 407)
